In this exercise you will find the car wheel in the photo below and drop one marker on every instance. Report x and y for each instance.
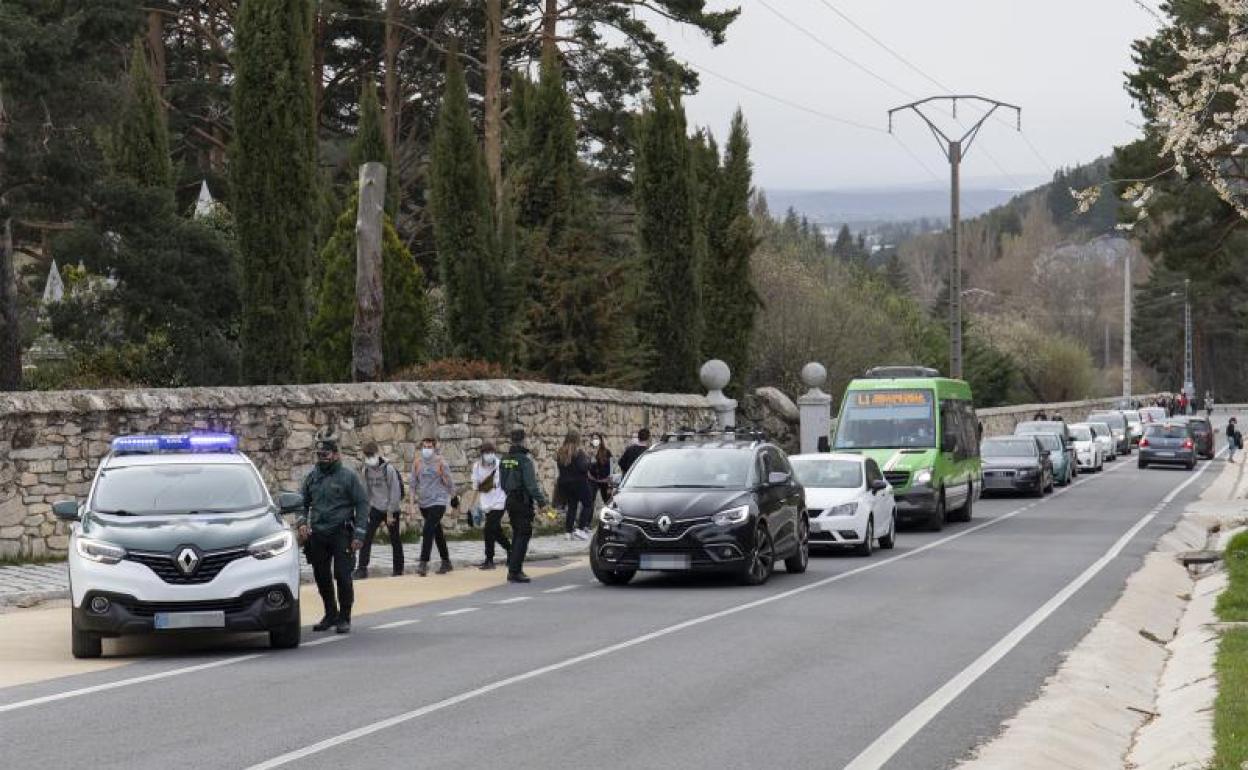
(1142, 464)
(762, 559)
(888, 541)
(1191, 465)
(286, 637)
(966, 511)
(868, 543)
(84, 644)
(1049, 488)
(936, 522)
(796, 564)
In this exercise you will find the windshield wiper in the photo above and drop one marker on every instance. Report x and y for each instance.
(118, 512)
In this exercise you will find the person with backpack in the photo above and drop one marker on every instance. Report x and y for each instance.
(385, 494)
(1234, 440)
(491, 500)
(431, 478)
(519, 477)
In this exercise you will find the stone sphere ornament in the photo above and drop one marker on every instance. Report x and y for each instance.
(715, 375)
(814, 374)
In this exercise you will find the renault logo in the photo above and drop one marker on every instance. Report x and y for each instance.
(187, 560)
(665, 523)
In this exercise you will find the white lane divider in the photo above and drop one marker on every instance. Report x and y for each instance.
(326, 640)
(462, 611)
(395, 624)
(454, 700)
(513, 600)
(883, 749)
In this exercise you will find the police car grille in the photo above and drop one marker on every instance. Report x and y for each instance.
(678, 528)
(897, 478)
(210, 566)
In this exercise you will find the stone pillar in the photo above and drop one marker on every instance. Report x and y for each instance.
(715, 376)
(814, 407)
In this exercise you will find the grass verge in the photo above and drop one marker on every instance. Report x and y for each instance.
(1230, 718)
(25, 561)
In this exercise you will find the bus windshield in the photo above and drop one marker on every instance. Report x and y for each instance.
(881, 419)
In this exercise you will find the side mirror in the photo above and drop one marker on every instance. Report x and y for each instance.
(290, 502)
(949, 442)
(776, 478)
(879, 485)
(66, 510)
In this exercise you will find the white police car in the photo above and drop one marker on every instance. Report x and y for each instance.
(179, 533)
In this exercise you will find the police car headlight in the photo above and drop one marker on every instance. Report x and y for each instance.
(273, 545)
(610, 516)
(99, 551)
(923, 477)
(732, 515)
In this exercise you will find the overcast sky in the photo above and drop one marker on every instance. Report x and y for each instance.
(1062, 61)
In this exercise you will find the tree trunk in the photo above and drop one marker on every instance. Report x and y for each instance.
(550, 23)
(318, 66)
(493, 100)
(366, 357)
(392, 75)
(156, 47)
(10, 333)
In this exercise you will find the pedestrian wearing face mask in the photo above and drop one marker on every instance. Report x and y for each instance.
(492, 500)
(572, 486)
(332, 526)
(600, 468)
(385, 493)
(431, 480)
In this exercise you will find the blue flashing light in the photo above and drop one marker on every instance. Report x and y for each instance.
(177, 442)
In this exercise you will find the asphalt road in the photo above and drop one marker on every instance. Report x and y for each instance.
(809, 671)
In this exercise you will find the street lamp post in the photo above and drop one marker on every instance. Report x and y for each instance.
(1189, 385)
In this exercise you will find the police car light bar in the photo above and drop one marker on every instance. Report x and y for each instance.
(179, 442)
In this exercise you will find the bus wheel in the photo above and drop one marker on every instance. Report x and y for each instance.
(937, 521)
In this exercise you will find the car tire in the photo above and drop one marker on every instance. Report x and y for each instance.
(84, 644)
(286, 637)
(936, 522)
(890, 540)
(762, 559)
(968, 509)
(867, 546)
(1191, 465)
(1141, 464)
(1048, 490)
(796, 564)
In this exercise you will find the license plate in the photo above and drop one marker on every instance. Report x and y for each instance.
(1164, 454)
(170, 621)
(664, 561)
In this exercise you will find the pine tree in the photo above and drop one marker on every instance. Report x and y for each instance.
(406, 320)
(464, 225)
(273, 174)
(369, 145)
(731, 302)
(671, 313)
(139, 149)
(843, 246)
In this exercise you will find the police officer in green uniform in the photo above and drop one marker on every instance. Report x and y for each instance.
(519, 480)
(332, 528)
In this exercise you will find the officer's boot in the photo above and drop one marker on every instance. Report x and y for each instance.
(343, 626)
(444, 568)
(422, 568)
(327, 622)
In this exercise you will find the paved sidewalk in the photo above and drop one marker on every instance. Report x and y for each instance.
(30, 583)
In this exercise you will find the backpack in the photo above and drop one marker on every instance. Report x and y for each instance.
(402, 486)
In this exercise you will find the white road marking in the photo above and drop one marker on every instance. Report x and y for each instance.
(124, 683)
(449, 613)
(513, 600)
(395, 624)
(398, 719)
(326, 640)
(883, 749)
(560, 589)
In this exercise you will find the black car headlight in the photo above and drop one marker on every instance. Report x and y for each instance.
(1028, 471)
(609, 516)
(732, 515)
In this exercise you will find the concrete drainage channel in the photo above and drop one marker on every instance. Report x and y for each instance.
(1138, 690)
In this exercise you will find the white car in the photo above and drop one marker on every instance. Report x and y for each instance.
(1088, 451)
(848, 501)
(1105, 437)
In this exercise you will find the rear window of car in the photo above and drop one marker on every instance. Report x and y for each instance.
(1081, 433)
(1112, 419)
(1166, 431)
(826, 472)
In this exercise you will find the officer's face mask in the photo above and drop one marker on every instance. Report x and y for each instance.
(426, 452)
(372, 461)
(325, 460)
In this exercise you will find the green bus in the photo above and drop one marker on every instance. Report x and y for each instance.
(921, 429)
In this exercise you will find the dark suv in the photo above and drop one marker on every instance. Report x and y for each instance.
(724, 502)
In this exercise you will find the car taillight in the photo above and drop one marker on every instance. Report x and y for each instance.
(1143, 442)
(1187, 443)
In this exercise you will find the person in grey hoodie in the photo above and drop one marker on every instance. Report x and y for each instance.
(385, 492)
(431, 480)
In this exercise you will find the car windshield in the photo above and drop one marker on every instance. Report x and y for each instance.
(1009, 447)
(827, 472)
(881, 419)
(1112, 419)
(144, 490)
(1098, 429)
(708, 467)
(1050, 441)
(1081, 433)
(1170, 430)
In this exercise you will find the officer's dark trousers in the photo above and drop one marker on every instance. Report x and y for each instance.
(329, 553)
(494, 533)
(375, 519)
(521, 531)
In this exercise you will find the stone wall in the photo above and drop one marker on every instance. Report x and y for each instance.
(51, 443)
(1000, 421)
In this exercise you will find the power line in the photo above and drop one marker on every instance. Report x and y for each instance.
(916, 158)
(885, 46)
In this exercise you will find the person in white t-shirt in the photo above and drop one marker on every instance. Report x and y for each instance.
(491, 499)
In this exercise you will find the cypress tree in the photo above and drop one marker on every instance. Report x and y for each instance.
(671, 306)
(140, 142)
(369, 145)
(273, 175)
(731, 302)
(463, 225)
(406, 321)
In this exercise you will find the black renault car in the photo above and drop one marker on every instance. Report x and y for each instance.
(723, 502)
